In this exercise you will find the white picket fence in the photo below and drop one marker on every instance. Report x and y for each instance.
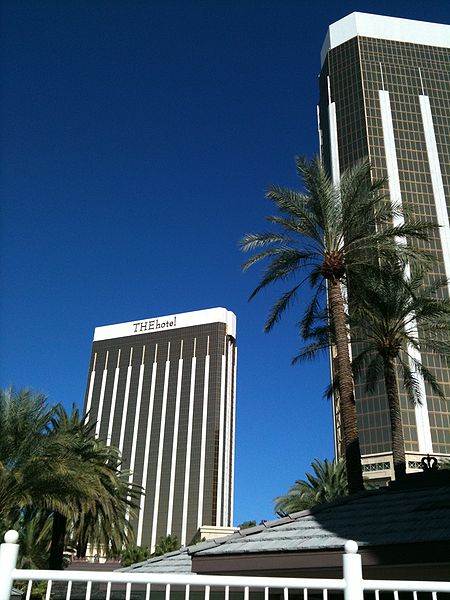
(187, 586)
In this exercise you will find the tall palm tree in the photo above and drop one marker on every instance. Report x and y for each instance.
(389, 310)
(330, 235)
(327, 483)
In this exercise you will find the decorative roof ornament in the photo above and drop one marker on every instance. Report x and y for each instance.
(429, 463)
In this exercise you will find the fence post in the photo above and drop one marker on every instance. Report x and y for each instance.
(352, 572)
(8, 560)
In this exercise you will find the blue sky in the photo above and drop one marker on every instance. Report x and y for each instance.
(138, 139)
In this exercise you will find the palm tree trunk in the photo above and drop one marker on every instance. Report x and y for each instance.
(346, 396)
(398, 442)
(58, 539)
(82, 543)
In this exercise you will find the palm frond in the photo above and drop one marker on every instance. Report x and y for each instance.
(272, 252)
(252, 241)
(310, 351)
(328, 482)
(279, 307)
(283, 266)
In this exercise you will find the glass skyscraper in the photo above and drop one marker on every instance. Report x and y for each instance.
(385, 95)
(162, 390)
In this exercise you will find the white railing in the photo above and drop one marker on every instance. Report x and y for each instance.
(352, 585)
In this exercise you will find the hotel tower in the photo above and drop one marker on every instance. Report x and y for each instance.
(162, 390)
(385, 95)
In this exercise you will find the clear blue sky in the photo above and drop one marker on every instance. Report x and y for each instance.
(138, 138)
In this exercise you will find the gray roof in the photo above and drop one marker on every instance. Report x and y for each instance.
(387, 516)
(380, 517)
(172, 562)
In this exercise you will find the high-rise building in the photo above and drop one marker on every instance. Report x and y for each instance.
(162, 390)
(385, 95)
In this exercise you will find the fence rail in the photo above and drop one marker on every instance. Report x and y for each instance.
(352, 586)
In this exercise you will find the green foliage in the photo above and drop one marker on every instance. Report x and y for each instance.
(134, 554)
(388, 310)
(328, 483)
(24, 426)
(197, 539)
(34, 529)
(327, 236)
(102, 498)
(328, 233)
(247, 524)
(38, 589)
(53, 470)
(167, 544)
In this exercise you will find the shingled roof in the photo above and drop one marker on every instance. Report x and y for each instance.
(386, 517)
(172, 562)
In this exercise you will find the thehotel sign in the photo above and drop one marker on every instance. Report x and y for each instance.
(154, 324)
(160, 324)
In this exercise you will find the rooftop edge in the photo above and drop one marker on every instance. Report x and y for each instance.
(385, 28)
(168, 322)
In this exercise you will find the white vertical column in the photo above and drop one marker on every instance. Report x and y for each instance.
(147, 449)
(391, 153)
(91, 389)
(137, 414)
(420, 408)
(160, 452)
(113, 401)
(201, 482)
(227, 472)
(319, 132)
(436, 182)
(187, 469)
(219, 514)
(125, 404)
(334, 147)
(233, 351)
(135, 429)
(173, 465)
(102, 397)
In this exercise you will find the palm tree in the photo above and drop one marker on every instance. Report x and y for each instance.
(330, 235)
(389, 310)
(133, 554)
(50, 463)
(328, 483)
(34, 527)
(169, 543)
(25, 420)
(95, 498)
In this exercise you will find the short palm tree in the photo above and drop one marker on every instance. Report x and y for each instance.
(34, 528)
(133, 554)
(329, 235)
(169, 543)
(95, 499)
(389, 310)
(51, 465)
(328, 483)
(25, 420)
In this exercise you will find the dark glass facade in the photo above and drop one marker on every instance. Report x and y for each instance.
(410, 76)
(166, 399)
